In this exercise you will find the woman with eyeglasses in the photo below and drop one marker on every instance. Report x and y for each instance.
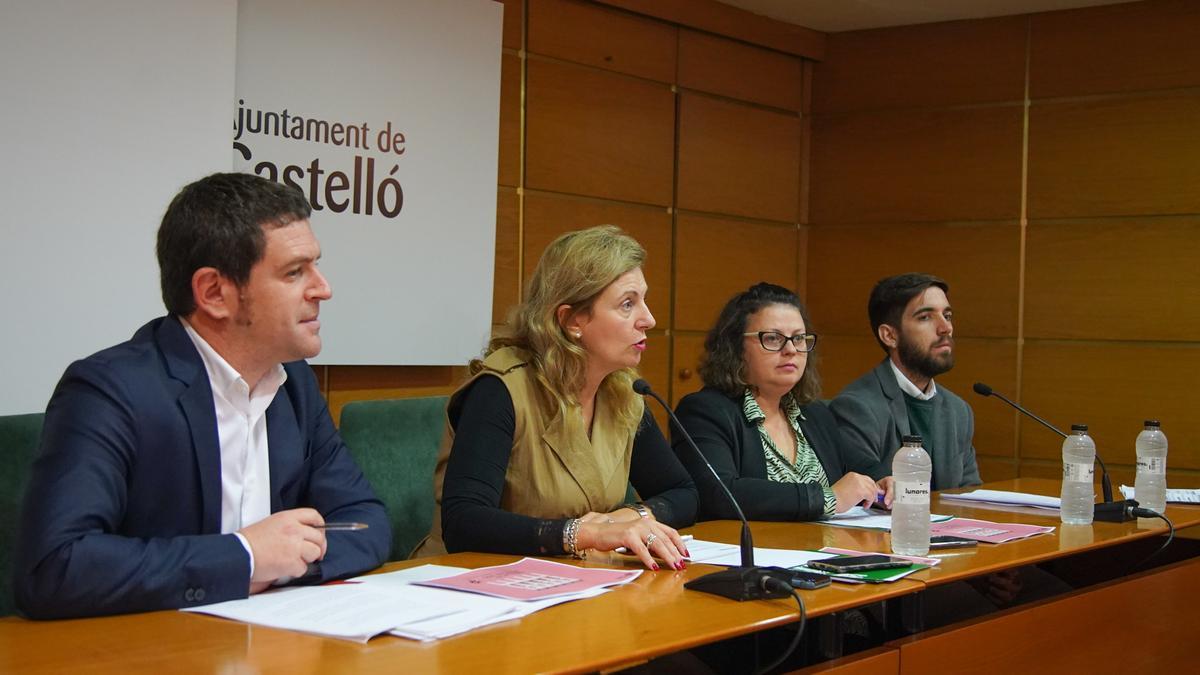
(758, 421)
(546, 437)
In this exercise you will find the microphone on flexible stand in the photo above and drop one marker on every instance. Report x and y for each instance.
(1108, 511)
(746, 581)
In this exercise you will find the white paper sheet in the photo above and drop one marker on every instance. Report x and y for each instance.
(871, 520)
(348, 611)
(1174, 496)
(1006, 498)
(716, 553)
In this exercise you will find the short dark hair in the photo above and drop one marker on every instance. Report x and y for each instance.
(723, 366)
(892, 294)
(218, 221)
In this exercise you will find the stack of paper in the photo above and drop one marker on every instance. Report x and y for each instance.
(1174, 496)
(987, 531)
(1005, 498)
(370, 605)
(871, 520)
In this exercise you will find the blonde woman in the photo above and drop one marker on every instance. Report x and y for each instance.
(544, 439)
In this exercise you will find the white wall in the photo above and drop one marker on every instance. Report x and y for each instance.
(108, 109)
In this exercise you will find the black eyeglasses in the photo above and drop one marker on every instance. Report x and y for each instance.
(774, 341)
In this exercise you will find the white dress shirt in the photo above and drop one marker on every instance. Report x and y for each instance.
(242, 434)
(911, 389)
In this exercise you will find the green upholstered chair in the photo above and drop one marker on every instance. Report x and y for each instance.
(18, 443)
(396, 444)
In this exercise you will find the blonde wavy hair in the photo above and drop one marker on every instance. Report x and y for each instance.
(574, 269)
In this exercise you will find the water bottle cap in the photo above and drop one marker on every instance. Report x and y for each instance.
(1078, 427)
(1152, 423)
(911, 439)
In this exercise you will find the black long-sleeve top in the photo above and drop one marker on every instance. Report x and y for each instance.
(472, 519)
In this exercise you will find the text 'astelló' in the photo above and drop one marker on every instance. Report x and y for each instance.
(359, 189)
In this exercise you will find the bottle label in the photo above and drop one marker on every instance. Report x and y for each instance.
(1078, 472)
(1154, 466)
(912, 493)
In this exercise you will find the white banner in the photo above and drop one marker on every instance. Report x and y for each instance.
(386, 115)
(108, 109)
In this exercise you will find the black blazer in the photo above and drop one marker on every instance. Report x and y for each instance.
(123, 509)
(735, 449)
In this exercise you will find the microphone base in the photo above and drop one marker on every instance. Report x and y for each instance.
(1114, 512)
(742, 583)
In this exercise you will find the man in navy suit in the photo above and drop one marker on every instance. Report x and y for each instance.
(197, 462)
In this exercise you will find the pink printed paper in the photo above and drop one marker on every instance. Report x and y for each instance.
(986, 531)
(533, 579)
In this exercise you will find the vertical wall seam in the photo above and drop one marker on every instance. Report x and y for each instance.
(1023, 227)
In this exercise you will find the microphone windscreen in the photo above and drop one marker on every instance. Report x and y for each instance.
(982, 389)
(641, 386)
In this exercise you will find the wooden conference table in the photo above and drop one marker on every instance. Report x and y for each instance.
(652, 616)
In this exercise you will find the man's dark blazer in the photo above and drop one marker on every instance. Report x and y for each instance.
(123, 508)
(873, 416)
(735, 449)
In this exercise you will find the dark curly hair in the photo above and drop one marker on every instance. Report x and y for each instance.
(723, 366)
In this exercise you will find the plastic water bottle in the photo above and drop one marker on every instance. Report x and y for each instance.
(1150, 488)
(912, 469)
(1079, 470)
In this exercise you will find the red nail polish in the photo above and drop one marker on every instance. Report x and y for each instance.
(654, 566)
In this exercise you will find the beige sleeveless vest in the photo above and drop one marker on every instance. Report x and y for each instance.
(555, 470)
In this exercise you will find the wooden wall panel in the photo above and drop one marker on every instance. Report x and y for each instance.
(656, 369)
(847, 262)
(1132, 46)
(738, 160)
(1113, 279)
(1115, 157)
(687, 349)
(936, 64)
(506, 279)
(992, 469)
(842, 359)
(547, 216)
(715, 258)
(598, 134)
(1112, 387)
(721, 66)
(513, 19)
(713, 16)
(993, 362)
(509, 170)
(597, 36)
(917, 165)
(365, 383)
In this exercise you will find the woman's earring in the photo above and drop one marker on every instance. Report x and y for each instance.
(576, 334)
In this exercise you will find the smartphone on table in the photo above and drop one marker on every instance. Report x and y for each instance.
(858, 563)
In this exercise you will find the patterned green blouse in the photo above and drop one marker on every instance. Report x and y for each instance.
(807, 468)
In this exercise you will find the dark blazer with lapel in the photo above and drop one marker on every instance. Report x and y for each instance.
(873, 418)
(735, 449)
(123, 508)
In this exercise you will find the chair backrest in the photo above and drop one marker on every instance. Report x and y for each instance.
(396, 444)
(19, 435)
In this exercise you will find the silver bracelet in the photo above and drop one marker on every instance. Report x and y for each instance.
(570, 537)
(639, 508)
